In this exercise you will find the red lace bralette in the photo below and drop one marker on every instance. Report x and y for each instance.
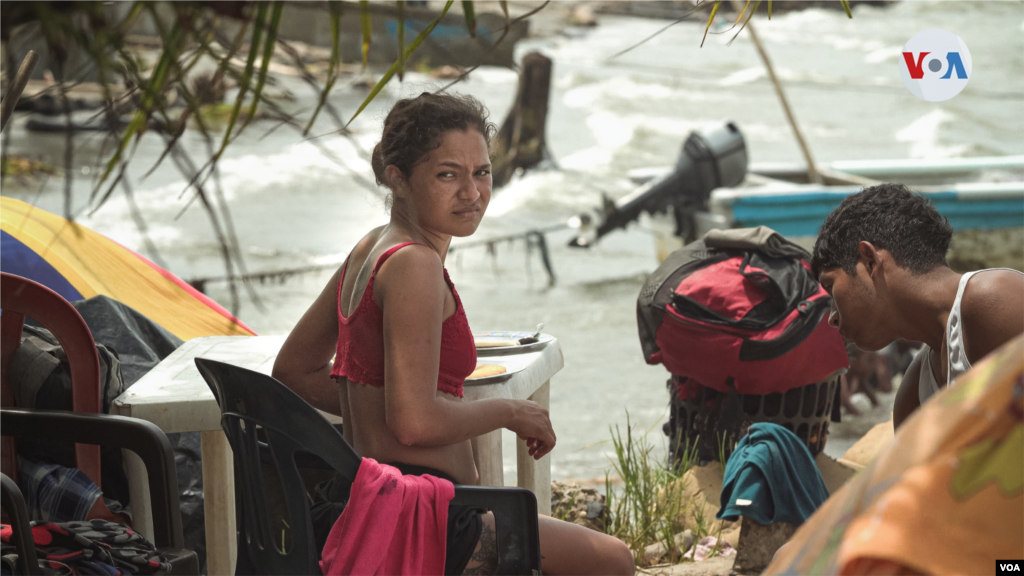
(360, 348)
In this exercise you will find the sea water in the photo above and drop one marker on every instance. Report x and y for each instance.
(299, 202)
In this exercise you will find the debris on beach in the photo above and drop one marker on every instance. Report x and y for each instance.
(26, 169)
(658, 553)
(447, 72)
(573, 503)
(582, 16)
(709, 546)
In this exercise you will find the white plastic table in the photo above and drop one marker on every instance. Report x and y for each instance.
(176, 398)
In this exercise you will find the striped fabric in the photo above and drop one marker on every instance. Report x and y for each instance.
(79, 263)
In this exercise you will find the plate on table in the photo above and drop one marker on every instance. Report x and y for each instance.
(495, 378)
(502, 343)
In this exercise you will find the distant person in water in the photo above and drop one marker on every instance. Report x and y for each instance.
(402, 347)
(882, 257)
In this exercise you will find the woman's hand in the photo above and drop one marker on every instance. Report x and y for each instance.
(531, 423)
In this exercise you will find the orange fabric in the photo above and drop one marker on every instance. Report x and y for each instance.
(945, 497)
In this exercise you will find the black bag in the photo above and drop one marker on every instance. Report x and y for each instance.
(40, 376)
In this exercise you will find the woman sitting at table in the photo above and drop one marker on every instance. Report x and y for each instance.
(403, 344)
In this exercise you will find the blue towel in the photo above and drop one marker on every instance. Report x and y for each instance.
(771, 477)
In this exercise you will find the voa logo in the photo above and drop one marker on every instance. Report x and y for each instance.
(936, 65)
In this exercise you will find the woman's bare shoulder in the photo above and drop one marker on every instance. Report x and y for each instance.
(416, 260)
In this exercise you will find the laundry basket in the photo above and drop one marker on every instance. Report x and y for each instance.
(708, 423)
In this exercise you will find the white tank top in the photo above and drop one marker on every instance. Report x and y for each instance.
(956, 359)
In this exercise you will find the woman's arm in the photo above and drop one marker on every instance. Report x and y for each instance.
(411, 291)
(304, 362)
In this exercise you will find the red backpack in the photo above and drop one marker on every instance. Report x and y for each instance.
(738, 311)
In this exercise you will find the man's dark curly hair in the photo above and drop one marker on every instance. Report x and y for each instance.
(891, 217)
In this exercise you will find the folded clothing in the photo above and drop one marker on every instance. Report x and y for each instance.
(54, 493)
(771, 477)
(90, 547)
(462, 528)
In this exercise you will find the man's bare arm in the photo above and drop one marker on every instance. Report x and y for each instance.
(907, 399)
(993, 312)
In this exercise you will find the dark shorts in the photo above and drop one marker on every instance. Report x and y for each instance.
(464, 523)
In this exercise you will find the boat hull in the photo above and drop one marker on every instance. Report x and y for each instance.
(987, 218)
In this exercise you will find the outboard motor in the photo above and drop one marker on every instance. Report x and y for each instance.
(710, 159)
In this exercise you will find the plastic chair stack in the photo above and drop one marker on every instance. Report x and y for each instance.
(21, 297)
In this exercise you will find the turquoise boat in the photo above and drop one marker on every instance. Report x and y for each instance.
(983, 199)
(799, 209)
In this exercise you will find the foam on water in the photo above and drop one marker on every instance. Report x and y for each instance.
(923, 135)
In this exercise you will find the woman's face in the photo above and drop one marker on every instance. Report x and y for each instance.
(449, 189)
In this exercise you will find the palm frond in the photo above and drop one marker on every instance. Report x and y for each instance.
(711, 18)
(470, 13)
(364, 23)
(403, 55)
(401, 40)
(268, 53)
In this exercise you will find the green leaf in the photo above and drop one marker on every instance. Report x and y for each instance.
(364, 19)
(268, 53)
(846, 7)
(401, 40)
(394, 67)
(151, 90)
(243, 83)
(742, 12)
(470, 13)
(332, 75)
(335, 9)
(769, 9)
(749, 16)
(711, 18)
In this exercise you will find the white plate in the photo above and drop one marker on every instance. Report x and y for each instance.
(509, 371)
(541, 342)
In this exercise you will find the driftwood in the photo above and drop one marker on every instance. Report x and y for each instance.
(521, 142)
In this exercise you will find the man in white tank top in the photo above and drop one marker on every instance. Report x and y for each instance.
(882, 257)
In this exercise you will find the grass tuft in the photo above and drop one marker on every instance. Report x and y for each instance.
(651, 504)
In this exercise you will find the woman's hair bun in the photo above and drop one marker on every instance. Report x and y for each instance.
(377, 162)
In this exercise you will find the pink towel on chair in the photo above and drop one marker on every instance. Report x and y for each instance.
(392, 524)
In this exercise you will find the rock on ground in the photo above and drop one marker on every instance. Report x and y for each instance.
(865, 450)
(758, 544)
(709, 567)
(573, 503)
(835, 473)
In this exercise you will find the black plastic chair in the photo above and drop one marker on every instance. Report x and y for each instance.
(144, 438)
(291, 426)
(21, 532)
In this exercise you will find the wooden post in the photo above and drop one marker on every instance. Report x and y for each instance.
(17, 87)
(521, 142)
